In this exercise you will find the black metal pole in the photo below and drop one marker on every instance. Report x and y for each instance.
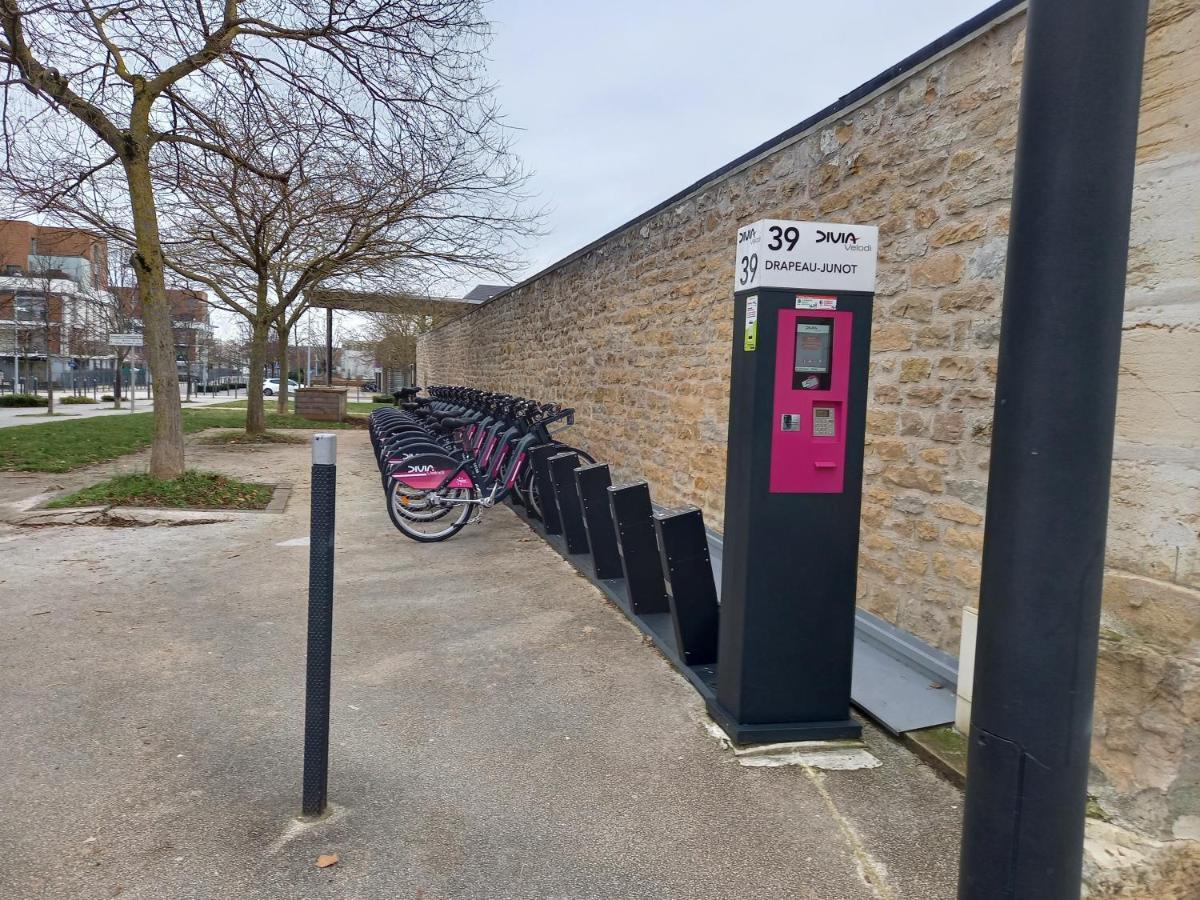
(1047, 507)
(320, 624)
(329, 345)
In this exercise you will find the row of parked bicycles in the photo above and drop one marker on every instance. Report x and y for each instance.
(447, 457)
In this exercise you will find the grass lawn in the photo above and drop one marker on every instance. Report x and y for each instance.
(268, 404)
(354, 409)
(191, 490)
(364, 408)
(240, 437)
(62, 446)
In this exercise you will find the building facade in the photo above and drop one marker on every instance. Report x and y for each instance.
(55, 308)
(189, 320)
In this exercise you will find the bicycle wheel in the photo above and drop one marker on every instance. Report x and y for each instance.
(450, 520)
(415, 504)
(424, 510)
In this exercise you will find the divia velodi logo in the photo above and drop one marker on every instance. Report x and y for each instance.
(847, 238)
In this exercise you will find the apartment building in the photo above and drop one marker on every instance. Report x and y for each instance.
(55, 307)
(189, 319)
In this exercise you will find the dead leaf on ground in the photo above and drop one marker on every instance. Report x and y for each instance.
(325, 860)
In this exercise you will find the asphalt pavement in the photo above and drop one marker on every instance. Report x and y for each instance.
(498, 730)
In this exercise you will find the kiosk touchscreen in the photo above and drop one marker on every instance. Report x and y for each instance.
(802, 304)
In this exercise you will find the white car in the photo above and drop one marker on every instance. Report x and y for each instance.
(271, 386)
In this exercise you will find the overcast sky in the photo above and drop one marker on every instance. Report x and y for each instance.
(621, 104)
(616, 106)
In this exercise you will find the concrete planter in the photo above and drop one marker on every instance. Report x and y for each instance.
(324, 404)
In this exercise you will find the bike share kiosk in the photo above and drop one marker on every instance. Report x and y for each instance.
(797, 408)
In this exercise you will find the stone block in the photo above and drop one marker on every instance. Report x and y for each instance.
(886, 393)
(881, 422)
(925, 216)
(964, 159)
(322, 404)
(924, 394)
(926, 166)
(954, 511)
(915, 369)
(886, 337)
(917, 477)
(936, 456)
(964, 538)
(937, 270)
(955, 368)
(987, 262)
(888, 449)
(927, 531)
(976, 296)
(913, 423)
(958, 234)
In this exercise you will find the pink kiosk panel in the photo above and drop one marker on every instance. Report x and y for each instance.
(808, 429)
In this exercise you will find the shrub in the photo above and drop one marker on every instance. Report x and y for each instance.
(21, 400)
(73, 399)
(382, 398)
(106, 398)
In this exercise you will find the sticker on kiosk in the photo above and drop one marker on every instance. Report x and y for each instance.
(809, 301)
(751, 342)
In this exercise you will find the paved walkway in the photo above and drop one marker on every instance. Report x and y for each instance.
(10, 416)
(499, 731)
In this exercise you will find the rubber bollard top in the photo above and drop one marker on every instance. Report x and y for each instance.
(324, 449)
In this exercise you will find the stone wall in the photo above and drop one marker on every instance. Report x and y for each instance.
(635, 333)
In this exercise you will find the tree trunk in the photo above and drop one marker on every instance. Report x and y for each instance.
(166, 451)
(283, 332)
(255, 420)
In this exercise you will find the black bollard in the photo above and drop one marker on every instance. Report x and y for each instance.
(692, 590)
(320, 624)
(562, 474)
(632, 515)
(593, 482)
(538, 461)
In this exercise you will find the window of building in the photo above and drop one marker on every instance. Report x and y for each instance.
(30, 308)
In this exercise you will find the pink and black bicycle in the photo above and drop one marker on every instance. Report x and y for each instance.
(446, 458)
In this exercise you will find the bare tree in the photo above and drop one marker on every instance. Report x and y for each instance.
(228, 354)
(118, 318)
(117, 92)
(405, 209)
(392, 336)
